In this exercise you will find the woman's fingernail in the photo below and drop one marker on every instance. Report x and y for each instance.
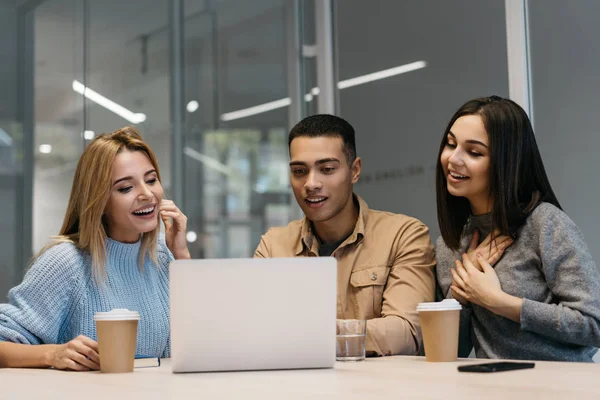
(479, 255)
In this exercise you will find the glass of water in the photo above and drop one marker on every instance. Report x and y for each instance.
(351, 337)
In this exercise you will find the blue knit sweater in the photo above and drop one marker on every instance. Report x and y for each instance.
(59, 296)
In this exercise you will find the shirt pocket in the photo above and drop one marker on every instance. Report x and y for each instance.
(367, 289)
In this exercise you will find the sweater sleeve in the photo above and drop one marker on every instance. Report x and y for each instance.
(163, 254)
(573, 314)
(38, 306)
(165, 257)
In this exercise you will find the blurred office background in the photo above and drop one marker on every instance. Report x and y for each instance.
(214, 86)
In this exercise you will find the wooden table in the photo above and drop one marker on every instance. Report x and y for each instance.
(381, 378)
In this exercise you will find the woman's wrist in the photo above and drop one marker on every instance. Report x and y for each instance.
(507, 306)
(17, 355)
(48, 355)
(183, 254)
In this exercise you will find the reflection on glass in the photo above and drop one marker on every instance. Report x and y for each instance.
(236, 162)
(128, 66)
(565, 85)
(401, 76)
(11, 150)
(236, 56)
(59, 123)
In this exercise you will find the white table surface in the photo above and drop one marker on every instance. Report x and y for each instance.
(380, 378)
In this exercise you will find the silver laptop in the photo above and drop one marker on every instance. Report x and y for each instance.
(253, 314)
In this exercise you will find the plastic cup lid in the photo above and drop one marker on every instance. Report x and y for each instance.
(117, 314)
(444, 305)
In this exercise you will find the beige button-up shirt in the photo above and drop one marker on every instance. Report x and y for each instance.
(385, 268)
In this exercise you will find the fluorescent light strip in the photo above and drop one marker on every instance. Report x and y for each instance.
(386, 73)
(359, 80)
(45, 148)
(246, 112)
(134, 118)
(5, 139)
(208, 161)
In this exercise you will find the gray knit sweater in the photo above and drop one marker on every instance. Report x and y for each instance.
(550, 267)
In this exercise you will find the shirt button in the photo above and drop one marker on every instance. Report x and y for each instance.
(373, 276)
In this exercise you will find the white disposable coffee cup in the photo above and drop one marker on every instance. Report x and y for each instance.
(439, 325)
(117, 337)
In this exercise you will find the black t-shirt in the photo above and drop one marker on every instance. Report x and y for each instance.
(325, 249)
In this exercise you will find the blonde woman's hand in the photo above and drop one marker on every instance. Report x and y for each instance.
(175, 229)
(490, 249)
(80, 354)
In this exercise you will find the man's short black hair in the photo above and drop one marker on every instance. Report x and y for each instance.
(327, 125)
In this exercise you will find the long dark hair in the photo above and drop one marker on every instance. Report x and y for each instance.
(517, 178)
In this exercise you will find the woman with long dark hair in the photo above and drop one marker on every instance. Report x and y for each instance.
(541, 299)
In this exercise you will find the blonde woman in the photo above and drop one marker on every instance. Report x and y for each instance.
(107, 255)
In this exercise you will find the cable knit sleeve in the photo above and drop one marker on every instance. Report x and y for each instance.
(163, 254)
(38, 306)
(165, 257)
(573, 315)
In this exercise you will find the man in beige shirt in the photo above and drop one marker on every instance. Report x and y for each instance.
(385, 261)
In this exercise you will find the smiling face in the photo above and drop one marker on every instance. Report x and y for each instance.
(465, 160)
(321, 177)
(135, 196)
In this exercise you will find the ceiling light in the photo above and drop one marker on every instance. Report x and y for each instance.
(191, 236)
(45, 148)
(359, 80)
(88, 135)
(386, 73)
(134, 118)
(273, 105)
(192, 106)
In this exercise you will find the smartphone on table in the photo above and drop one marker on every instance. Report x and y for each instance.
(496, 366)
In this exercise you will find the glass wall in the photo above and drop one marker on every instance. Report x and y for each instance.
(127, 61)
(11, 151)
(401, 73)
(237, 60)
(436, 56)
(242, 73)
(59, 112)
(565, 83)
(236, 154)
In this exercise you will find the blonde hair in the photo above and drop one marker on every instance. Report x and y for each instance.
(84, 224)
